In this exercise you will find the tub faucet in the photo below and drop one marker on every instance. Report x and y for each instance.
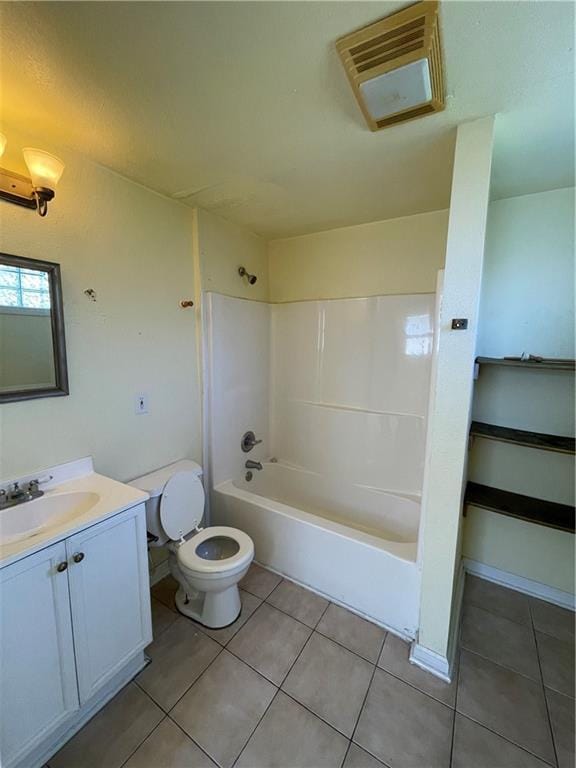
(253, 464)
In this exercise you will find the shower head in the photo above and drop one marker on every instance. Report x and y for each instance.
(243, 273)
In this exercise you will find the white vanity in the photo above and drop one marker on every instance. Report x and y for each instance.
(74, 607)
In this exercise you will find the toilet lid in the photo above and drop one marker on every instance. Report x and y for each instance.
(181, 504)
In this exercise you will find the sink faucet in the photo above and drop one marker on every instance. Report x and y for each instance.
(253, 465)
(15, 495)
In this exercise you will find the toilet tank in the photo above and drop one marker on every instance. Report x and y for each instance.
(153, 483)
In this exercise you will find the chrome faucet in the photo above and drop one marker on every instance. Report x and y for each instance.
(249, 441)
(253, 465)
(16, 495)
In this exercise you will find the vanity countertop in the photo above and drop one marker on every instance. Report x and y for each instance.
(113, 497)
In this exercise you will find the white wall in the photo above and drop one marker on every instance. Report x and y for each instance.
(134, 248)
(238, 364)
(350, 382)
(527, 301)
(386, 257)
(527, 305)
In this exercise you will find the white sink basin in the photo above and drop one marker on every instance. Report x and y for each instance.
(31, 517)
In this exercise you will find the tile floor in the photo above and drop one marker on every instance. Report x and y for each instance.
(298, 682)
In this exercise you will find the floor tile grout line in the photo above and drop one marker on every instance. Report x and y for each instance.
(498, 615)
(193, 740)
(296, 659)
(506, 739)
(307, 626)
(144, 739)
(456, 686)
(316, 715)
(550, 728)
(386, 632)
(415, 687)
(253, 731)
(289, 695)
(196, 680)
(487, 727)
(502, 666)
(291, 614)
(497, 733)
(364, 702)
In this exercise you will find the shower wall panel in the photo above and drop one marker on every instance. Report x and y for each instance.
(349, 388)
(238, 368)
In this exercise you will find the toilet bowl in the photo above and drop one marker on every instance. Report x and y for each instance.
(206, 562)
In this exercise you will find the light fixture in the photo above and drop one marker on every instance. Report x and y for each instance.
(35, 192)
(395, 66)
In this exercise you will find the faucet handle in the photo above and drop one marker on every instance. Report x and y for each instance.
(249, 441)
(34, 484)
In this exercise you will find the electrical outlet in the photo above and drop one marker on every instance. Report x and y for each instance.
(141, 404)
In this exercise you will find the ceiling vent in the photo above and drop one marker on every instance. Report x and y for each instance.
(395, 66)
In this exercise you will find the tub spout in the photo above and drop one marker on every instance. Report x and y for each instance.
(253, 464)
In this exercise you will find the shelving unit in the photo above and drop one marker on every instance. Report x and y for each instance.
(539, 511)
(547, 364)
(558, 443)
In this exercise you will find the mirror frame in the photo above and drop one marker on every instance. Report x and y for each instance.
(58, 338)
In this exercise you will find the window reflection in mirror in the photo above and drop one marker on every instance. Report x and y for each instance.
(32, 353)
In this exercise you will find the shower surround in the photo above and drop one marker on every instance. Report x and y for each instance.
(338, 392)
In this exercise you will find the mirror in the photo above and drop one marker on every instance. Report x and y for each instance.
(32, 345)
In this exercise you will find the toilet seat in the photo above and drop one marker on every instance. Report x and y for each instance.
(190, 560)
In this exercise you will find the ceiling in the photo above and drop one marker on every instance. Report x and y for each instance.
(243, 108)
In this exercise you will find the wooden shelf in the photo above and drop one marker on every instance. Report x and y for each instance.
(540, 440)
(546, 365)
(539, 511)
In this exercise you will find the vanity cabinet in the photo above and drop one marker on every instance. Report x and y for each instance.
(109, 597)
(38, 690)
(73, 616)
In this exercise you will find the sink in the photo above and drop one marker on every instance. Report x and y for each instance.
(25, 520)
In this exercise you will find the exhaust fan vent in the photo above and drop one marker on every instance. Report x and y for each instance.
(395, 66)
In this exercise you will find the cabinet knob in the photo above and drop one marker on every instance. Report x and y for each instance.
(78, 557)
(61, 567)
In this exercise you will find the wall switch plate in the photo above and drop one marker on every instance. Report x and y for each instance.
(141, 404)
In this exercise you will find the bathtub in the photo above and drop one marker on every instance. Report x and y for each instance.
(354, 544)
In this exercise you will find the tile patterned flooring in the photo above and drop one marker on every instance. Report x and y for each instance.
(298, 682)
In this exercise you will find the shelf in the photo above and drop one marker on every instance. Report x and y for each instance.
(549, 364)
(557, 443)
(539, 511)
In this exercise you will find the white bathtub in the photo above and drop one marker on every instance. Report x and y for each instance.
(354, 544)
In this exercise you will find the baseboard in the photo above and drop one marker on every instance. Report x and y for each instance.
(430, 661)
(521, 584)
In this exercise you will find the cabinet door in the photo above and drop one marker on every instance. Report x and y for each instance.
(38, 688)
(110, 597)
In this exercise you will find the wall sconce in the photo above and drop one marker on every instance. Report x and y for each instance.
(34, 192)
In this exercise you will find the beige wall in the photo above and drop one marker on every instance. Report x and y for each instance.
(393, 256)
(527, 305)
(223, 247)
(134, 248)
(26, 351)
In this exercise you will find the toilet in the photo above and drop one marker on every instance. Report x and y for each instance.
(207, 562)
